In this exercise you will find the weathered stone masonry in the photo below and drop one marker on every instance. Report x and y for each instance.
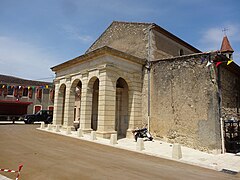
(184, 103)
(230, 92)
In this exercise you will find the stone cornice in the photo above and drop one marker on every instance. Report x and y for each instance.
(97, 53)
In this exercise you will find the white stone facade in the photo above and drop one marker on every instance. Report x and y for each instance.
(111, 89)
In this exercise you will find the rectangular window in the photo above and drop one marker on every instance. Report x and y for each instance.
(52, 94)
(10, 90)
(37, 108)
(25, 92)
(39, 93)
(50, 108)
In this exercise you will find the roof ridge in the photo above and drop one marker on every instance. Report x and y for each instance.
(127, 22)
(14, 78)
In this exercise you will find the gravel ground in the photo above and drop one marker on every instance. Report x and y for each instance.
(50, 156)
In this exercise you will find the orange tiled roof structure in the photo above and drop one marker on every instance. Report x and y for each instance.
(226, 47)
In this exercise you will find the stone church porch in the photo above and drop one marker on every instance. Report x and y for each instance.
(109, 95)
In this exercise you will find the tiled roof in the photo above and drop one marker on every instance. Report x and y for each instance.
(4, 79)
(226, 47)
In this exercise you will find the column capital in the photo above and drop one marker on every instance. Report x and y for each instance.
(85, 73)
(68, 78)
(106, 67)
(56, 81)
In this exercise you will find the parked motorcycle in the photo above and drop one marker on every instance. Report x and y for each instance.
(142, 133)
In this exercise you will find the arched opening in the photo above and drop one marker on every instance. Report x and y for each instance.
(62, 96)
(94, 114)
(122, 119)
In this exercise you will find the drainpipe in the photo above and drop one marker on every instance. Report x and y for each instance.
(148, 66)
(220, 106)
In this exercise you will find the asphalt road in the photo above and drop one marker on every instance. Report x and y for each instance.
(49, 156)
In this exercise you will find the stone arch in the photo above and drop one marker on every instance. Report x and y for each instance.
(126, 77)
(121, 108)
(61, 101)
(93, 93)
(75, 99)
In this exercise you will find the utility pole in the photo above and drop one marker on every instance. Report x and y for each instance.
(148, 66)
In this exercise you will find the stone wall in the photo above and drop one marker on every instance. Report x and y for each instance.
(184, 103)
(230, 91)
(134, 39)
(163, 47)
(130, 38)
(44, 102)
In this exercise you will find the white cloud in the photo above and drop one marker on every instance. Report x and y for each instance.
(212, 37)
(74, 33)
(24, 59)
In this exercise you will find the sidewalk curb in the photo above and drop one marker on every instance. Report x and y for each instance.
(211, 165)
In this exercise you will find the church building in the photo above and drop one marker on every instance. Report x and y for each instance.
(138, 74)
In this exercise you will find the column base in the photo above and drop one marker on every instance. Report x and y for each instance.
(87, 131)
(64, 127)
(105, 134)
(129, 134)
(54, 125)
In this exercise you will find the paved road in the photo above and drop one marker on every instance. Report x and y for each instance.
(50, 156)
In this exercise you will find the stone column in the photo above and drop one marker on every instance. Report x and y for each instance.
(106, 104)
(69, 105)
(135, 108)
(86, 105)
(58, 106)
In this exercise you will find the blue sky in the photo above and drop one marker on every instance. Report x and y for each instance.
(36, 35)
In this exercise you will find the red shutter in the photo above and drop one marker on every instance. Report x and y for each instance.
(20, 91)
(5, 91)
(50, 108)
(39, 93)
(30, 93)
(52, 95)
(36, 109)
(15, 90)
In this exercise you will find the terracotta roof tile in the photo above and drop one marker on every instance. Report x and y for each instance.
(226, 47)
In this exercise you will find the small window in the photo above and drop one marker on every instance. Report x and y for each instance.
(1, 90)
(39, 93)
(50, 108)
(227, 105)
(15, 91)
(52, 95)
(37, 109)
(20, 91)
(30, 94)
(181, 52)
(5, 90)
(10, 90)
(25, 92)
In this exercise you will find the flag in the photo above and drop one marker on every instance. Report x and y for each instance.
(208, 63)
(218, 63)
(229, 61)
